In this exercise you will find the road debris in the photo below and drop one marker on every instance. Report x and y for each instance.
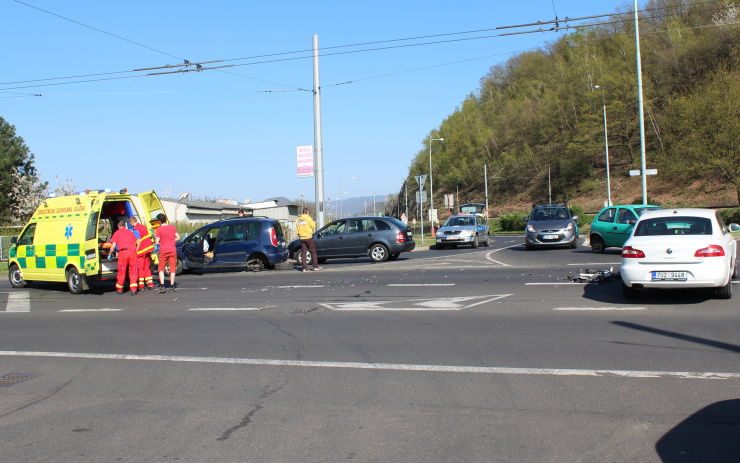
(593, 276)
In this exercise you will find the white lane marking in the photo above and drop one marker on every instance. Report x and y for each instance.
(499, 262)
(562, 283)
(505, 247)
(91, 310)
(446, 266)
(226, 308)
(449, 303)
(488, 254)
(422, 284)
(18, 302)
(599, 308)
(592, 264)
(297, 286)
(385, 366)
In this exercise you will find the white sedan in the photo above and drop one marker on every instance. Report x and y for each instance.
(679, 248)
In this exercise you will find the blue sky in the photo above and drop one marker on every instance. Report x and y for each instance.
(232, 133)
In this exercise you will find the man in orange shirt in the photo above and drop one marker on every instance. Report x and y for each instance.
(166, 237)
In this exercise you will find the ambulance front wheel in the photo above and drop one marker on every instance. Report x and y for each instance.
(15, 277)
(74, 281)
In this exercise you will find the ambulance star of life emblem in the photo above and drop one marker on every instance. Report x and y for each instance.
(68, 231)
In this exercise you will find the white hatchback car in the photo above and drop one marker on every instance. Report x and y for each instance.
(679, 248)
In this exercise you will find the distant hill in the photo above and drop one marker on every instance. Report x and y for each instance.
(359, 206)
(536, 125)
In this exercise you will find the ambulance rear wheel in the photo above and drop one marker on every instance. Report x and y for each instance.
(16, 280)
(74, 281)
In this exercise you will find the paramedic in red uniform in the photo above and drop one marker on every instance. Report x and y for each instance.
(166, 236)
(125, 241)
(145, 246)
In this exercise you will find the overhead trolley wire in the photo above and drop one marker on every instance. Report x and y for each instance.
(96, 29)
(197, 67)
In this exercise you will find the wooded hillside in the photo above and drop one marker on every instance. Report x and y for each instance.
(540, 112)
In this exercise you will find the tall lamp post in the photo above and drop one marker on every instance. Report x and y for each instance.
(341, 195)
(431, 180)
(606, 149)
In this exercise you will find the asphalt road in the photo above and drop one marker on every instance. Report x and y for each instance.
(464, 355)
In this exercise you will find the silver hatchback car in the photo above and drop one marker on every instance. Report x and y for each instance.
(551, 225)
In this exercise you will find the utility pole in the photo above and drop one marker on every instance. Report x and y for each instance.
(485, 182)
(643, 165)
(320, 221)
(406, 186)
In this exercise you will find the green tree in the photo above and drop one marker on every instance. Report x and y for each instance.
(20, 187)
(706, 131)
(539, 113)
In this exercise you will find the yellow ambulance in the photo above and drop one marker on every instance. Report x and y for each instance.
(66, 238)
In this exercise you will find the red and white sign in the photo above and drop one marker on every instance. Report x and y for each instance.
(304, 156)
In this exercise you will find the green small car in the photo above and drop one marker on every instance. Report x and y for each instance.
(613, 225)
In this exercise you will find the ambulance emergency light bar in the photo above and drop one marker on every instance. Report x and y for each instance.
(122, 191)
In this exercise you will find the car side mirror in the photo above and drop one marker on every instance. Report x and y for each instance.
(734, 227)
(14, 239)
(575, 217)
(526, 219)
(633, 221)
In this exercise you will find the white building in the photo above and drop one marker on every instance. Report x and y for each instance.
(204, 212)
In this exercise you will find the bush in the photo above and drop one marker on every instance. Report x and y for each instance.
(186, 228)
(578, 210)
(730, 215)
(512, 221)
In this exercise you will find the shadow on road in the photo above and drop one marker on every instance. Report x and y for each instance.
(684, 337)
(712, 434)
(611, 292)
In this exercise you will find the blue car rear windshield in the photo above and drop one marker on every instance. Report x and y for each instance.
(396, 222)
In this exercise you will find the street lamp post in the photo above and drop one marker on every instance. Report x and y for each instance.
(431, 180)
(606, 149)
(341, 195)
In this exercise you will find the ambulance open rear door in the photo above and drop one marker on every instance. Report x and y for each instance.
(152, 205)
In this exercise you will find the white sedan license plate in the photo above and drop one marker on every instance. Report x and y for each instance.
(670, 276)
(550, 237)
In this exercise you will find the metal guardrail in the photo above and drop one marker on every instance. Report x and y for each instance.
(5, 246)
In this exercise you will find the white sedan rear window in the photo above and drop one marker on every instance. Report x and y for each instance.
(674, 226)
